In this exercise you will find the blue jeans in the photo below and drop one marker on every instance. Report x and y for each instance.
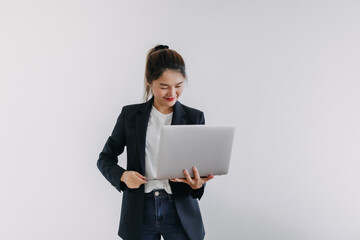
(161, 218)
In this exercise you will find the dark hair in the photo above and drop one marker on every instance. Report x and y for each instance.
(159, 59)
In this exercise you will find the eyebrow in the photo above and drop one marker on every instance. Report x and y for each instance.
(163, 84)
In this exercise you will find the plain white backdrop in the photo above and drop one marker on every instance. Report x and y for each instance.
(285, 73)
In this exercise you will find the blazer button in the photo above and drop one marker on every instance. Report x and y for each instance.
(156, 193)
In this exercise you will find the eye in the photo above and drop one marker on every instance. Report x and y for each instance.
(164, 88)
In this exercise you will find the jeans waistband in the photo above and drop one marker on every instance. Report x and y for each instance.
(158, 193)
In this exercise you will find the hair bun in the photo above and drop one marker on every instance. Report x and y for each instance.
(158, 47)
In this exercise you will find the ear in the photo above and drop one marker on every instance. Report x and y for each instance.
(148, 84)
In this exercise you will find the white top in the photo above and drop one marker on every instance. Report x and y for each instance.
(156, 121)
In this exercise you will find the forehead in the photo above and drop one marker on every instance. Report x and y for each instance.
(170, 77)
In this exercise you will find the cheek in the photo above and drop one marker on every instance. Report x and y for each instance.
(158, 93)
(179, 91)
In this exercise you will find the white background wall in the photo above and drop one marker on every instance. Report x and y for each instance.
(285, 73)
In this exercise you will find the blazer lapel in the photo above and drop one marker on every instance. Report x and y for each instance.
(141, 126)
(178, 115)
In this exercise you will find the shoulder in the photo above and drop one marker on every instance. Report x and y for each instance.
(133, 107)
(131, 110)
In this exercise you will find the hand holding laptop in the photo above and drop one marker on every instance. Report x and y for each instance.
(196, 182)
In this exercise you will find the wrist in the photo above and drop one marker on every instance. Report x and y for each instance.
(123, 177)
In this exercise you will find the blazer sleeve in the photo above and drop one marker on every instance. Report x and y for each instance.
(108, 158)
(197, 193)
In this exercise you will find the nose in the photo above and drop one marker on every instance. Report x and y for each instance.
(172, 92)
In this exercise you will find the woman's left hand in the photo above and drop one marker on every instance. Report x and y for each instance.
(196, 182)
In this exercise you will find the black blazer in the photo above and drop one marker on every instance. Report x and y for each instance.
(130, 131)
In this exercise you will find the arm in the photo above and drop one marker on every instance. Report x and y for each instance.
(114, 146)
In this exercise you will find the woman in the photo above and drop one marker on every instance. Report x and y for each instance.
(154, 208)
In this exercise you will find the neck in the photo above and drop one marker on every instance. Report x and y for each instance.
(162, 109)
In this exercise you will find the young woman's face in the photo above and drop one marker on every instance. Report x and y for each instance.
(167, 89)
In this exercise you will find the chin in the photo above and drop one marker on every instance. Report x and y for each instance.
(172, 103)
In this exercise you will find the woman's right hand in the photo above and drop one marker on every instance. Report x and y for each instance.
(133, 179)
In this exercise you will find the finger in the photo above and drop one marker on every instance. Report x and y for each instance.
(139, 175)
(196, 173)
(178, 180)
(208, 178)
(137, 183)
(187, 176)
(140, 180)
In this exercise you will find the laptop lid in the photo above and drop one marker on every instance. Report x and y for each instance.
(208, 148)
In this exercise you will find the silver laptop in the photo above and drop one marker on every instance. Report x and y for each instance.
(208, 148)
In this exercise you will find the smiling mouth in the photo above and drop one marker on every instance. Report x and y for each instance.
(170, 99)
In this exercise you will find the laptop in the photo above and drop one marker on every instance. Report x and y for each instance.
(208, 148)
